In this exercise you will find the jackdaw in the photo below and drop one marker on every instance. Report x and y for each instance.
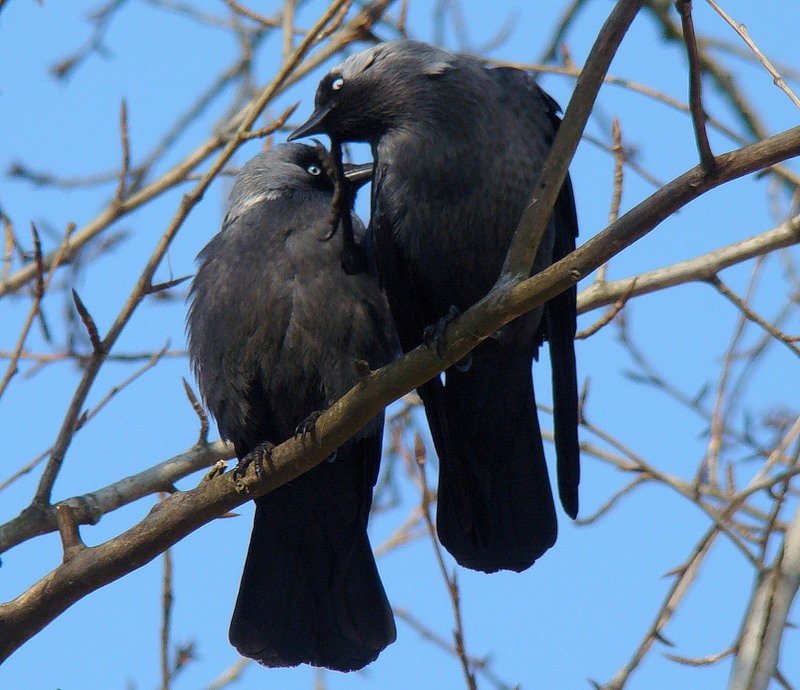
(275, 329)
(457, 148)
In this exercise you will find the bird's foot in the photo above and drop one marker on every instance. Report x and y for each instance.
(257, 457)
(308, 425)
(434, 335)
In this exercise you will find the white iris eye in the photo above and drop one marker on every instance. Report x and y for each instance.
(337, 83)
(313, 169)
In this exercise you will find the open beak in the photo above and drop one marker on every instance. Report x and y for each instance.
(358, 175)
(314, 125)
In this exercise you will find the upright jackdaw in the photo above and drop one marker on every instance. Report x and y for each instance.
(275, 328)
(457, 149)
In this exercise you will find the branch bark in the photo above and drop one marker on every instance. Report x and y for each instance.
(762, 632)
(529, 231)
(701, 268)
(182, 513)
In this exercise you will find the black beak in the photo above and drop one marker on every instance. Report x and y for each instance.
(314, 125)
(358, 175)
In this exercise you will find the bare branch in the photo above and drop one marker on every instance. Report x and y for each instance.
(89, 508)
(695, 85)
(166, 619)
(762, 632)
(741, 29)
(125, 169)
(450, 579)
(529, 231)
(42, 286)
(199, 411)
(701, 268)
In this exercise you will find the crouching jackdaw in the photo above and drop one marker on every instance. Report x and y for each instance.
(457, 149)
(275, 329)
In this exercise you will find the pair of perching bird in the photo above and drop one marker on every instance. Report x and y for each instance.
(276, 325)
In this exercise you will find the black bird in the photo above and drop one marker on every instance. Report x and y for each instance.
(275, 328)
(457, 148)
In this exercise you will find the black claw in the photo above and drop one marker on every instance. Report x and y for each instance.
(308, 425)
(434, 334)
(255, 457)
(464, 365)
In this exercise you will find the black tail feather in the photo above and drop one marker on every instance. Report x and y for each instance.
(495, 507)
(310, 591)
(561, 324)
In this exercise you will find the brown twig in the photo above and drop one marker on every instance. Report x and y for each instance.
(702, 660)
(609, 316)
(199, 411)
(686, 576)
(426, 633)
(700, 268)
(166, 617)
(741, 29)
(742, 306)
(125, 168)
(684, 8)
(709, 468)
(98, 348)
(230, 675)
(450, 579)
(71, 542)
(265, 22)
(41, 288)
(618, 152)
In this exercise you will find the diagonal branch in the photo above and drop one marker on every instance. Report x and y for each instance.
(182, 513)
(695, 85)
(536, 215)
(143, 284)
(701, 267)
(762, 631)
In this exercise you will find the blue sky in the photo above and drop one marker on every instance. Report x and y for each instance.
(579, 612)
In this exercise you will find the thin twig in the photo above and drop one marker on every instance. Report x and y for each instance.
(695, 86)
(618, 152)
(42, 286)
(609, 316)
(741, 29)
(450, 580)
(166, 617)
(125, 168)
(741, 305)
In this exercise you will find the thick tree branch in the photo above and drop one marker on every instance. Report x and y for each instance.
(182, 513)
(536, 215)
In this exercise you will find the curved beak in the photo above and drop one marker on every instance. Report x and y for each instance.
(358, 175)
(314, 125)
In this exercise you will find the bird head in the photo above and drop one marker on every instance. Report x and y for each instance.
(288, 169)
(374, 90)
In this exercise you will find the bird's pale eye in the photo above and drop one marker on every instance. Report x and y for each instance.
(337, 83)
(314, 170)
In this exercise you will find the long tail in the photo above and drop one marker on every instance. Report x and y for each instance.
(310, 591)
(560, 313)
(495, 507)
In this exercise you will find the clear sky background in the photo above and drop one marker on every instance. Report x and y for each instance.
(580, 611)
